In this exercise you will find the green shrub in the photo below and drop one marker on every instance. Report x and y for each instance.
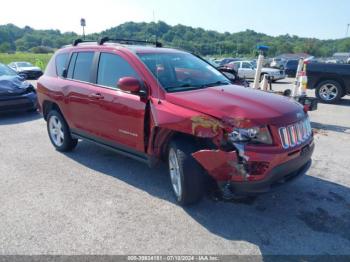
(41, 50)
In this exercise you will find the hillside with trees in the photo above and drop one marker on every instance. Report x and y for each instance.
(198, 40)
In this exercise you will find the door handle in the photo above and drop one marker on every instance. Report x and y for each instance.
(96, 96)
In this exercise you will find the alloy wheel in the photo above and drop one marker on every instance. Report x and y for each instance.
(174, 170)
(328, 92)
(56, 131)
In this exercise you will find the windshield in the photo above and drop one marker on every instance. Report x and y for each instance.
(6, 71)
(24, 64)
(182, 71)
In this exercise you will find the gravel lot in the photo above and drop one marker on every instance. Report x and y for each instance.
(93, 201)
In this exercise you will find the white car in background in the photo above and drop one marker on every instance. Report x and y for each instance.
(27, 69)
(246, 69)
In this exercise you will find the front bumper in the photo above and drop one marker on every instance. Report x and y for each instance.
(281, 167)
(24, 102)
(278, 176)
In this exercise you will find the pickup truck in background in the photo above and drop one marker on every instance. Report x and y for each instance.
(330, 81)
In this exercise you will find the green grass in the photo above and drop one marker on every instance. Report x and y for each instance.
(39, 60)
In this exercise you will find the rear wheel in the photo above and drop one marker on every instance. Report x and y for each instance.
(329, 91)
(59, 132)
(186, 175)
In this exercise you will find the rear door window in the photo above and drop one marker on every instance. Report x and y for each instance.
(111, 68)
(61, 61)
(83, 66)
(71, 65)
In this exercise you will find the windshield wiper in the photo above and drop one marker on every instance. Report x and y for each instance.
(194, 87)
(217, 83)
(183, 87)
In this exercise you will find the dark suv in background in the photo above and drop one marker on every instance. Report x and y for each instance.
(290, 67)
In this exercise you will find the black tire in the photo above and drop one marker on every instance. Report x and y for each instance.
(337, 95)
(192, 176)
(67, 143)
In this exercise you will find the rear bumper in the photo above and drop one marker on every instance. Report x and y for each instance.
(25, 102)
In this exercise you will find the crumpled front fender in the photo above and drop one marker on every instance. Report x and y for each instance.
(221, 165)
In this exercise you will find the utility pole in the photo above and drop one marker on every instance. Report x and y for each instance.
(83, 24)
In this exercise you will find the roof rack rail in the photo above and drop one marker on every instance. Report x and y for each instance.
(128, 41)
(79, 41)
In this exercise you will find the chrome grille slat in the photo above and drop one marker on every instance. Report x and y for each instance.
(295, 134)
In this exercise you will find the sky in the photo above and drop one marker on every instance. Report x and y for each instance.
(324, 19)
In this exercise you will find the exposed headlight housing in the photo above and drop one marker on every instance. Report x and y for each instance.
(258, 135)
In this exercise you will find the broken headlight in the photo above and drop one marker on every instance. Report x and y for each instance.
(259, 135)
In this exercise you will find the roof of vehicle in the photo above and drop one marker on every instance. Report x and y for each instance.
(132, 48)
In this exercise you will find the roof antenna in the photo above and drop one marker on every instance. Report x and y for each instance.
(157, 59)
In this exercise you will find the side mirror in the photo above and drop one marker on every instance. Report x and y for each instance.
(129, 84)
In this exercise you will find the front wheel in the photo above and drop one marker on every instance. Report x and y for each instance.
(186, 175)
(329, 91)
(59, 132)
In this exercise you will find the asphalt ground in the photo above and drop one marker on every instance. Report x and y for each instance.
(93, 201)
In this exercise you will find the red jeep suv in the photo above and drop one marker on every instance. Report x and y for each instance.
(152, 104)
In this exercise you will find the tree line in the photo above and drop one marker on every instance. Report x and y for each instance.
(197, 40)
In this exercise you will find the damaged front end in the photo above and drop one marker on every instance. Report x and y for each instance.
(239, 150)
(231, 162)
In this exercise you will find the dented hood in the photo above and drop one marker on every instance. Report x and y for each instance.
(236, 102)
(12, 85)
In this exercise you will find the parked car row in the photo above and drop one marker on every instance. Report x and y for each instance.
(247, 69)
